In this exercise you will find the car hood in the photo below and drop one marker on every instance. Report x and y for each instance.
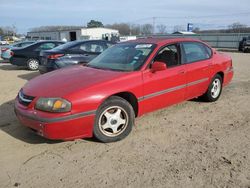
(68, 80)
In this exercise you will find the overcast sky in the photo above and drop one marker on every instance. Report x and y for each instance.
(26, 14)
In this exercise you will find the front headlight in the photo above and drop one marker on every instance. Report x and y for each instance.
(53, 105)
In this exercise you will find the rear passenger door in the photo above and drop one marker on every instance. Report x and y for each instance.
(85, 52)
(197, 57)
(42, 46)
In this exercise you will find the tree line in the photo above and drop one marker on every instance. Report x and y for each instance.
(147, 29)
(130, 29)
(8, 31)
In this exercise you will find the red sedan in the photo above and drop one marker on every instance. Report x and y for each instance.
(127, 80)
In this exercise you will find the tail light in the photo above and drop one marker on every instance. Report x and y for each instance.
(11, 53)
(4, 49)
(55, 56)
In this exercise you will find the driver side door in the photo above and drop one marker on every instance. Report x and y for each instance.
(166, 87)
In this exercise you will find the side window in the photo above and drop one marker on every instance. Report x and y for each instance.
(195, 51)
(46, 46)
(24, 44)
(58, 44)
(109, 44)
(89, 47)
(209, 51)
(92, 47)
(17, 45)
(169, 55)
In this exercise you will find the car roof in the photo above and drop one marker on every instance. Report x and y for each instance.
(44, 41)
(83, 41)
(164, 40)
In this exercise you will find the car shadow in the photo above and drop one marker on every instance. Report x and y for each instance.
(4, 61)
(198, 100)
(29, 76)
(9, 67)
(11, 126)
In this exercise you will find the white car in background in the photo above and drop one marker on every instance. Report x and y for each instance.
(127, 38)
(3, 42)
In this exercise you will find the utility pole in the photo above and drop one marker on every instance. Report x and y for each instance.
(154, 25)
(130, 33)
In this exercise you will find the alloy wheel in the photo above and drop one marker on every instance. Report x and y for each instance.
(113, 121)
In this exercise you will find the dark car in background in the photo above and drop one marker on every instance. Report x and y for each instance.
(244, 45)
(6, 50)
(29, 55)
(71, 53)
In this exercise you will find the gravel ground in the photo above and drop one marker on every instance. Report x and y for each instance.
(192, 144)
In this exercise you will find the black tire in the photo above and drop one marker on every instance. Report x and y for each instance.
(210, 96)
(111, 107)
(33, 64)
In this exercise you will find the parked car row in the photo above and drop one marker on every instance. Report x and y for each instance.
(51, 55)
(127, 80)
(29, 55)
(6, 50)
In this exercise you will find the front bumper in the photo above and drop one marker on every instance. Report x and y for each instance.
(67, 127)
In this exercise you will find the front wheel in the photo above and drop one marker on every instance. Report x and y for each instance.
(33, 64)
(214, 90)
(114, 120)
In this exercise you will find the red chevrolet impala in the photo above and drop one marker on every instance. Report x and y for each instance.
(127, 80)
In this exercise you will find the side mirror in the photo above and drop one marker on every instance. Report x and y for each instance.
(158, 66)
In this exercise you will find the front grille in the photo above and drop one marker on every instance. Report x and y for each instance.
(24, 99)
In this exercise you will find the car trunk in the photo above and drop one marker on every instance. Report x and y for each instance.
(45, 54)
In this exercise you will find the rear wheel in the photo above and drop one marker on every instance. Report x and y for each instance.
(33, 64)
(114, 120)
(214, 90)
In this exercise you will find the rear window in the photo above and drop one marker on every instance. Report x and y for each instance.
(66, 45)
(46, 46)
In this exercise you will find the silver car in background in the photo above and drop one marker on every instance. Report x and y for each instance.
(6, 50)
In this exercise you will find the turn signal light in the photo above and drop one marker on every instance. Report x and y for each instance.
(55, 56)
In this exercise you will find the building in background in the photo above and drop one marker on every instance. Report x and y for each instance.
(76, 33)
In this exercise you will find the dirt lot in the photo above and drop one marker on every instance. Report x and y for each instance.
(193, 144)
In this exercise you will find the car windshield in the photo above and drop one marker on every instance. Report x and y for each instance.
(66, 45)
(123, 57)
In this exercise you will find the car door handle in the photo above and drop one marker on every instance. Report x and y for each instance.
(182, 72)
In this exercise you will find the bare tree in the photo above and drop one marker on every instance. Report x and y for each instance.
(9, 30)
(178, 28)
(196, 30)
(135, 29)
(161, 29)
(123, 28)
(237, 27)
(147, 29)
(1, 31)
